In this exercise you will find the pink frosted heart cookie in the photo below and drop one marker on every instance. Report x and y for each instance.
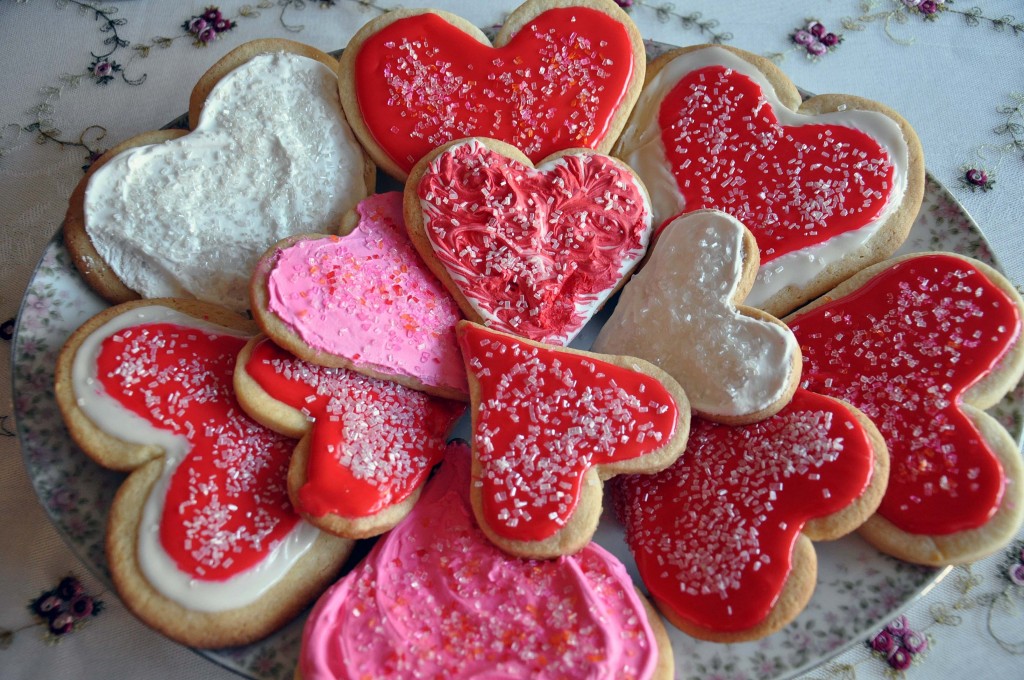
(363, 301)
(827, 186)
(722, 538)
(202, 541)
(529, 251)
(436, 599)
(366, 447)
(560, 75)
(549, 424)
(681, 313)
(922, 344)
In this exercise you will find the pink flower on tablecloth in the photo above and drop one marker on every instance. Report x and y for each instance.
(207, 27)
(64, 609)
(815, 39)
(898, 644)
(102, 70)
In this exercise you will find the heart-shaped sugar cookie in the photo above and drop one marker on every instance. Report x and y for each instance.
(201, 536)
(721, 538)
(367, 445)
(737, 364)
(182, 215)
(529, 251)
(920, 344)
(827, 186)
(561, 75)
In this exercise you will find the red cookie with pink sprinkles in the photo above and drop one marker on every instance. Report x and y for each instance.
(561, 74)
(549, 425)
(530, 250)
(922, 344)
(828, 186)
(202, 541)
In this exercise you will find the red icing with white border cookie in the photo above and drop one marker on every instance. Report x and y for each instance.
(713, 535)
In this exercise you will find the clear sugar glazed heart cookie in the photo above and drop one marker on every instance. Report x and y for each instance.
(181, 214)
(367, 445)
(533, 251)
(561, 74)
(435, 598)
(681, 313)
(363, 301)
(921, 344)
(202, 541)
(827, 186)
(549, 425)
(723, 537)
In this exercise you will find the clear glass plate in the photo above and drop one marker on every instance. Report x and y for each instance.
(858, 589)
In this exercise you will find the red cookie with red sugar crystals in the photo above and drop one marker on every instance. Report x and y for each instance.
(827, 186)
(921, 344)
(722, 538)
(202, 541)
(549, 424)
(529, 250)
(366, 445)
(561, 74)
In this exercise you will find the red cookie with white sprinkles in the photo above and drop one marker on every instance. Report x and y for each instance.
(533, 251)
(561, 74)
(828, 186)
(722, 538)
(921, 344)
(367, 445)
(549, 424)
(202, 541)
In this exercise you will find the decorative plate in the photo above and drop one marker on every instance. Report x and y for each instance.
(858, 588)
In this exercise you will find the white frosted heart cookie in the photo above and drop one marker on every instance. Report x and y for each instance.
(270, 154)
(681, 312)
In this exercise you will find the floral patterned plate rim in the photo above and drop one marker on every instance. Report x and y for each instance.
(858, 589)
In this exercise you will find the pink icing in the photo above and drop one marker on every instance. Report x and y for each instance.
(534, 251)
(368, 297)
(435, 599)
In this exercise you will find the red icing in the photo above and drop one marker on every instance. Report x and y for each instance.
(557, 84)
(544, 417)
(903, 348)
(535, 252)
(372, 442)
(713, 534)
(227, 504)
(793, 187)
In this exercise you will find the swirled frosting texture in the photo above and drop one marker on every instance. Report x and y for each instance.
(535, 252)
(436, 599)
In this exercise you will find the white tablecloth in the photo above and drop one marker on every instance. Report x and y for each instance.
(957, 75)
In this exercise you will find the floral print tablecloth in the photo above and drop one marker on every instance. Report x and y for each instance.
(79, 76)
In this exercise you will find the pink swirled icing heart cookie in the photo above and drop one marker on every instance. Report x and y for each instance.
(681, 313)
(363, 301)
(921, 344)
(827, 186)
(202, 541)
(436, 599)
(367, 445)
(560, 75)
(529, 251)
(722, 538)
(549, 424)
(187, 214)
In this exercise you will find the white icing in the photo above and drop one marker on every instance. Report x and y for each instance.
(271, 156)
(156, 564)
(677, 313)
(641, 147)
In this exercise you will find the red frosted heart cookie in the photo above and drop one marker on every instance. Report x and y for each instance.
(921, 344)
(435, 599)
(549, 424)
(529, 251)
(722, 538)
(560, 75)
(367, 445)
(203, 543)
(827, 186)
